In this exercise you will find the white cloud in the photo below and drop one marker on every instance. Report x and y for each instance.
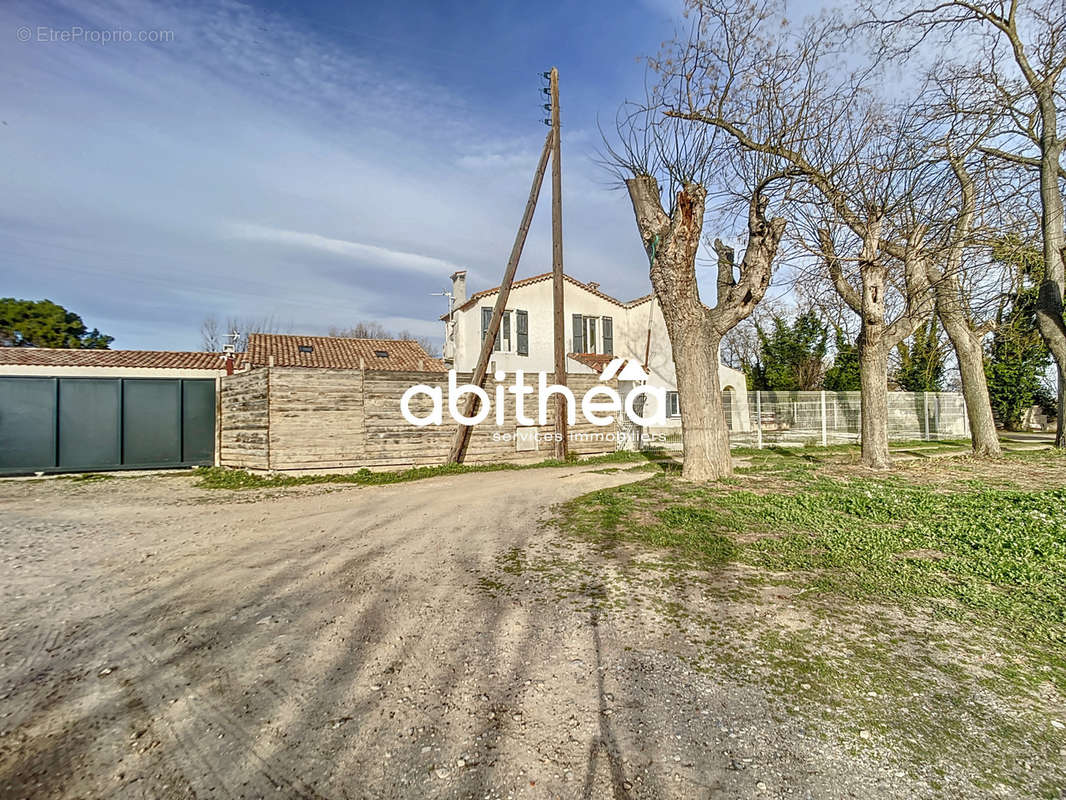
(203, 173)
(360, 251)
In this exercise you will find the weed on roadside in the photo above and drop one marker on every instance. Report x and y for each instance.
(238, 479)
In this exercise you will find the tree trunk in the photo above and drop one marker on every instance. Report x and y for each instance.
(873, 385)
(953, 308)
(975, 391)
(703, 428)
(972, 371)
(695, 331)
(1049, 319)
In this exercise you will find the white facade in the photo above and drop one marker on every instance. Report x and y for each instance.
(529, 305)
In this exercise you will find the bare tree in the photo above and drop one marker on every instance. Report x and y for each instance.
(650, 148)
(362, 330)
(952, 279)
(431, 346)
(740, 346)
(375, 330)
(1008, 57)
(781, 93)
(866, 292)
(210, 335)
(236, 330)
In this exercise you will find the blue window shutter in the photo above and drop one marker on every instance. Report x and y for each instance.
(608, 336)
(522, 325)
(579, 334)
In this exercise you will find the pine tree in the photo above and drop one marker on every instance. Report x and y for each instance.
(42, 323)
(1017, 355)
(791, 355)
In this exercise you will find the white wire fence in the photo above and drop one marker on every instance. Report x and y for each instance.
(763, 419)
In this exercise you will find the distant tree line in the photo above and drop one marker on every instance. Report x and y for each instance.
(792, 352)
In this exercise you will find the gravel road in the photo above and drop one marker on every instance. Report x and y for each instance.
(159, 640)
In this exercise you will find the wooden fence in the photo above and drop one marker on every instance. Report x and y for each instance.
(296, 418)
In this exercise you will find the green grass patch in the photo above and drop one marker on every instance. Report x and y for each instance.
(959, 546)
(921, 613)
(239, 479)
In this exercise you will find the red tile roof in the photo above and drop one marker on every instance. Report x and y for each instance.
(333, 352)
(143, 359)
(537, 279)
(596, 361)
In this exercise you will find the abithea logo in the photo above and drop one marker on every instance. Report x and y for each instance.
(625, 369)
(599, 405)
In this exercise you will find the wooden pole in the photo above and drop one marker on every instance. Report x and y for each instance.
(462, 435)
(557, 269)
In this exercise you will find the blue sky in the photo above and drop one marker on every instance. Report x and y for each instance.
(319, 164)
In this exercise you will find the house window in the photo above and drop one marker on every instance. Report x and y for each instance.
(381, 353)
(586, 334)
(513, 336)
(673, 405)
(306, 348)
(593, 335)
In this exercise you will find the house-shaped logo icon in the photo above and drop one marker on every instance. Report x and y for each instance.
(625, 369)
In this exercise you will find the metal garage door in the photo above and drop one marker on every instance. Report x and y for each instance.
(77, 424)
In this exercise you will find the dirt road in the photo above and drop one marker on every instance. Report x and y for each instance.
(159, 640)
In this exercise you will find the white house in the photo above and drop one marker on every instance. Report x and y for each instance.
(598, 328)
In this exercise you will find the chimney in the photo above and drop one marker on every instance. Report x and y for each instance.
(593, 285)
(458, 288)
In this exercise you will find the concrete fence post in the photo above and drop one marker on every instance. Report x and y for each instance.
(925, 404)
(758, 419)
(825, 432)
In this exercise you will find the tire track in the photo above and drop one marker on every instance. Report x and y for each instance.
(202, 718)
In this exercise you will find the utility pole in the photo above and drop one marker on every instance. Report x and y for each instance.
(557, 267)
(462, 433)
(551, 150)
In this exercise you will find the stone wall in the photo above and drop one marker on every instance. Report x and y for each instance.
(294, 418)
(243, 420)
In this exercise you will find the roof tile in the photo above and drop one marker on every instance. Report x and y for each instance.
(143, 359)
(596, 361)
(333, 352)
(544, 276)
